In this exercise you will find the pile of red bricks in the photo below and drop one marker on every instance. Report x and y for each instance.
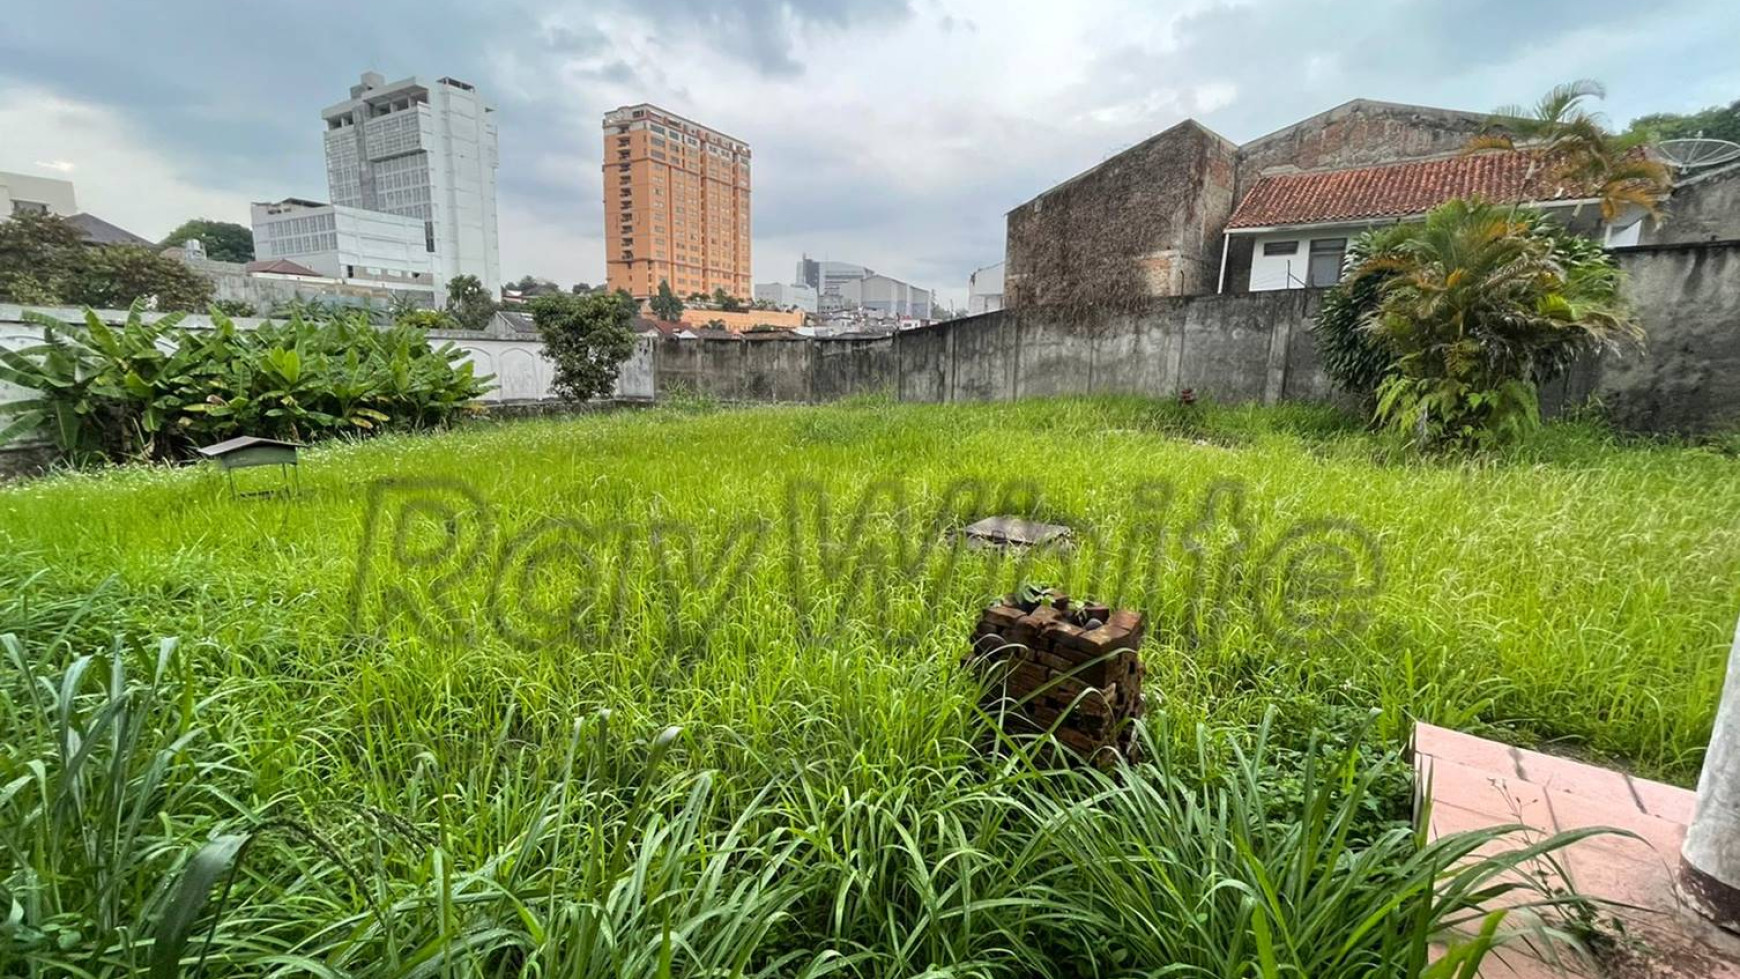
(1071, 669)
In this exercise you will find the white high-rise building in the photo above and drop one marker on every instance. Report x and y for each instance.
(423, 150)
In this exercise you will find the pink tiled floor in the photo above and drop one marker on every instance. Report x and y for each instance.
(1475, 783)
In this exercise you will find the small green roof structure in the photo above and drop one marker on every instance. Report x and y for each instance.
(249, 451)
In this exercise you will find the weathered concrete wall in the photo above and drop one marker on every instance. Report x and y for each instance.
(1238, 348)
(1704, 207)
(845, 367)
(1144, 223)
(1688, 378)
(1244, 347)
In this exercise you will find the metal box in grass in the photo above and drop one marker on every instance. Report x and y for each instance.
(250, 452)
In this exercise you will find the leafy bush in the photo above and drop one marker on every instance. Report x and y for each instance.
(1446, 327)
(587, 338)
(223, 241)
(154, 390)
(1355, 360)
(426, 319)
(235, 307)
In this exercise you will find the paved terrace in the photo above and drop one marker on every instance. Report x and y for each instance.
(1476, 783)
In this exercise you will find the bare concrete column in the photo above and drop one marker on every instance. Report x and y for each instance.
(1710, 860)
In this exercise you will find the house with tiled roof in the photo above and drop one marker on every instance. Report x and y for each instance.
(1296, 226)
(1189, 212)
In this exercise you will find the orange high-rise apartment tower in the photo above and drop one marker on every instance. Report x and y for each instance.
(676, 205)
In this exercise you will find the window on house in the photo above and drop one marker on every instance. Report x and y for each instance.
(1325, 265)
(1280, 248)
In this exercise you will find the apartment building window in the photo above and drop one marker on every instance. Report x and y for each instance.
(1325, 263)
(1280, 248)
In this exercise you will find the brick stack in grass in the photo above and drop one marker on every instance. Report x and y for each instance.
(1069, 668)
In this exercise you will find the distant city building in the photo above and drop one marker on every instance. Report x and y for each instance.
(786, 294)
(349, 244)
(426, 151)
(884, 296)
(985, 290)
(21, 193)
(844, 286)
(676, 205)
(827, 277)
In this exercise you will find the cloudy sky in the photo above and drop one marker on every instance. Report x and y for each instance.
(894, 133)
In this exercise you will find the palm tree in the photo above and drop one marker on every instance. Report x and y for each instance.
(1575, 145)
(1474, 305)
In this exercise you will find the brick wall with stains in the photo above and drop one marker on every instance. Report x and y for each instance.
(1144, 223)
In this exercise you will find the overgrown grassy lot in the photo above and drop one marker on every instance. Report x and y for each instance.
(392, 685)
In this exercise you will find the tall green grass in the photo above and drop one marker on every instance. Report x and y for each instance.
(425, 780)
(134, 842)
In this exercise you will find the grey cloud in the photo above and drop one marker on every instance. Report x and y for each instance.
(232, 88)
(764, 32)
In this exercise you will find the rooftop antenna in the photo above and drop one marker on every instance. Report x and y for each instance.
(1697, 152)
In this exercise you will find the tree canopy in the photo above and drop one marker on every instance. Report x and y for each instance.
(586, 338)
(45, 261)
(1576, 147)
(665, 305)
(224, 241)
(1716, 122)
(469, 303)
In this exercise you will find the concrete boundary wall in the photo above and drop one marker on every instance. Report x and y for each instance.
(1249, 347)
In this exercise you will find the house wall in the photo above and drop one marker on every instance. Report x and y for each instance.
(1268, 272)
(738, 322)
(56, 196)
(985, 289)
(1144, 223)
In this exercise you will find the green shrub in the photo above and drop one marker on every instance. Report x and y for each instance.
(1447, 326)
(154, 390)
(426, 319)
(234, 307)
(1356, 359)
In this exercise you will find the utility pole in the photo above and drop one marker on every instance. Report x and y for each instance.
(1710, 859)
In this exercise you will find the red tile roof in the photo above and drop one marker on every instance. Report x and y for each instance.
(1394, 190)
